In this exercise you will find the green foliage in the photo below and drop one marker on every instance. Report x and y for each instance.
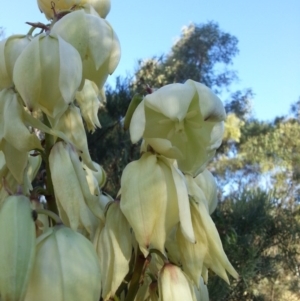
(111, 145)
(261, 240)
(201, 54)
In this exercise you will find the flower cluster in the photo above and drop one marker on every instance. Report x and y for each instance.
(61, 236)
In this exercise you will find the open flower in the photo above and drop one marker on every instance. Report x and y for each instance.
(181, 121)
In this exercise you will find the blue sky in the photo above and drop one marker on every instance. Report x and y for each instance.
(268, 32)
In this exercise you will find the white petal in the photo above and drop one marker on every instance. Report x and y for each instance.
(171, 100)
(137, 124)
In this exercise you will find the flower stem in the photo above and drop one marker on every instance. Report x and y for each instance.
(139, 268)
(52, 215)
(49, 142)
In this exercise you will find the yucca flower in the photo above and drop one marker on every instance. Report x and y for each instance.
(47, 74)
(181, 121)
(154, 199)
(207, 252)
(96, 42)
(173, 284)
(10, 49)
(89, 102)
(102, 7)
(114, 249)
(65, 268)
(17, 247)
(78, 207)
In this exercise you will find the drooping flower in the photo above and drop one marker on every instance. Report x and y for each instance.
(10, 49)
(181, 121)
(207, 252)
(114, 249)
(78, 207)
(65, 268)
(173, 284)
(96, 42)
(89, 102)
(47, 74)
(17, 247)
(154, 199)
(102, 7)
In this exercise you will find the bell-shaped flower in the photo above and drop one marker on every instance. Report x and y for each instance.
(48, 7)
(77, 206)
(208, 185)
(114, 249)
(154, 199)
(96, 42)
(173, 284)
(47, 74)
(181, 121)
(10, 49)
(17, 247)
(65, 268)
(71, 124)
(208, 251)
(89, 103)
(102, 7)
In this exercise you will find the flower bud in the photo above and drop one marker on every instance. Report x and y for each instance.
(17, 247)
(49, 6)
(102, 7)
(89, 104)
(47, 74)
(65, 268)
(10, 49)
(173, 285)
(71, 124)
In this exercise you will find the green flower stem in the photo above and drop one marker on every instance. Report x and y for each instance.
(161, 255)
(52, 215)
(139, 268)
(49, 142)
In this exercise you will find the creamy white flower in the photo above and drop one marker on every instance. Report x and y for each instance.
(173, 284)
(181, 121)
(96, 42)
(10, 49)
(47, 74)
(65, 268)
(154, 199)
